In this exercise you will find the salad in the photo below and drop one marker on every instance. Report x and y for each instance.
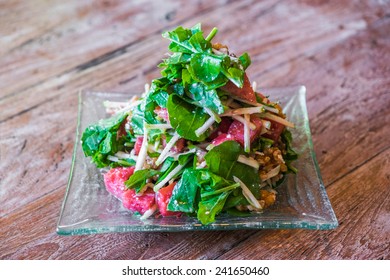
(200, 140)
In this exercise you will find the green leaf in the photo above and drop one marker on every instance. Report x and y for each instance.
(211, 207)
(290, 155)
(245, 60)
(222, 160)
(198, 42)
(287, 139)
(185, 158)
(100, 140)
(137, 120)
(185, 118)
(184, 194)
(206, 98)
(205, 68)
(138, 180)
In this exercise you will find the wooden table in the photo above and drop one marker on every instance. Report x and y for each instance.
(51, 49)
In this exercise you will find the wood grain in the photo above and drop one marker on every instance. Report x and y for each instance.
(53, 49)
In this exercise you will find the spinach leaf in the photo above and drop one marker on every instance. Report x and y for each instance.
(184, 194)
(287, 139)
(199, 190)
(193, 53)
(100, 140)
(222, 160)
(211, 207)
(205, 67)
(137, 120)
(138, 180)
(206, 98)
(185, 118)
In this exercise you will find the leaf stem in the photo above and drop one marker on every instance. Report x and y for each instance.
(212, 34)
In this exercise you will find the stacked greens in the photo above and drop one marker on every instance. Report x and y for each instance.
(170, 133)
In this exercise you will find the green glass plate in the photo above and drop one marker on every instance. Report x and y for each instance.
(302, 201)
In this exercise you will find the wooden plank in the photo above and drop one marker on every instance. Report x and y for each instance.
(363, 213)
(286, 44)
(110, 75)
(344, 59)
(363, 233)
(348, 97)
(71, 34)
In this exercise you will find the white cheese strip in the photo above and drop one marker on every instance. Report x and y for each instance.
(167, 148)
(277, 119)
(247, 138)
(149, 212)
(205, 126)
(169, 177)
(248, 194)
(252, 126)
(248, 161)
(143, 151)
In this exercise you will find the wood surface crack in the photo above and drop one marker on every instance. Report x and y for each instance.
(357, 166)
(27, 109)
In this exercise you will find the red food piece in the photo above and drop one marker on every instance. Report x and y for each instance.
(179, 145)
(223, 127)
(163, 196)
(246, 92)
(236, 130)
(222, 138)
(162, 113)
(275, 131)
(138, 203)
(115, 179)
(122, 130)
(138, 144)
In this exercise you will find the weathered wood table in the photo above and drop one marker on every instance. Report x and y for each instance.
(51, 49)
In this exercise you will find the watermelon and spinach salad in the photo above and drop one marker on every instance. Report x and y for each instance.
(199, 141)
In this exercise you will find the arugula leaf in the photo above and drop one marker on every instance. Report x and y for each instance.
(138, 180)
(100, 140)
(185, 118)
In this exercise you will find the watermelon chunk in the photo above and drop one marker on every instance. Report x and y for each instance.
(163, 196)
(246, 92)
(115, 178)
(138, 203)
(236, 130)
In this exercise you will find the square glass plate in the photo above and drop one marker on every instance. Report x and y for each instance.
(302, 201)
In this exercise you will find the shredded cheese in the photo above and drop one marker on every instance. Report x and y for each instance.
(266, 107)
(149, 212)
(252, 126)
(278, 119)
(213, 114)
(242, 111)
(272, 173)
(167, 148)
(247, 137)
(159, 126)
(169, 177)
(248, 194)
(143, 151)
(248, 161)
(205, 126)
